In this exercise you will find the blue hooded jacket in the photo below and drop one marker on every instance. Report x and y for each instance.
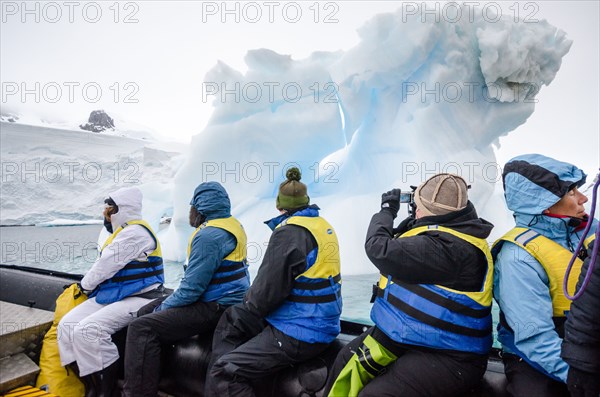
(532, 184)
(209, 247)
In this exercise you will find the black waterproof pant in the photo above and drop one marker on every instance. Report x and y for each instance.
(525, 381)
(582, 383)
(417, 372)
(246, 348)
(146, 333)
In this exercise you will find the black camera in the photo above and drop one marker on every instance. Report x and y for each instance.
(409, 198)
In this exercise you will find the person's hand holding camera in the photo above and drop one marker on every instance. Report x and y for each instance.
(390, 202)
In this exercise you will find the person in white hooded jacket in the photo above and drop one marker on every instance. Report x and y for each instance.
(127, 272)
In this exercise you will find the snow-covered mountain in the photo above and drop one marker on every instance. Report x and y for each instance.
(61, 175)
(122, 126)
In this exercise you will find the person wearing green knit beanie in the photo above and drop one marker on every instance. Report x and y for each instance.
(292, 193)
(291, 312)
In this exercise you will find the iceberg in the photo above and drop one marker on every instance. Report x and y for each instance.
(417, 95)
(413, 98)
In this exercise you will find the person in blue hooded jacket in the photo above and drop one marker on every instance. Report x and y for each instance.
(216, 277)
(530, 264)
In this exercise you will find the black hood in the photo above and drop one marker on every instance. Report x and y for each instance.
(464, 221)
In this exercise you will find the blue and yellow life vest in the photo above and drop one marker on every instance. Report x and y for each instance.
(232, 274)
(136, 275)
(311, 313)
(553, 257)
(436, 316)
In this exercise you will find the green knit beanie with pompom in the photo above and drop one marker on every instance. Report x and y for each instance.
(292, 192)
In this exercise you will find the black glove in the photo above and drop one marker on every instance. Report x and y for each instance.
(86, 292)
(390, 201)
(583, 384)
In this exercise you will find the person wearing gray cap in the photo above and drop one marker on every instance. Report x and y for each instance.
(432, 305)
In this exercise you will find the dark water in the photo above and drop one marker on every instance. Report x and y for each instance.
(73, 249)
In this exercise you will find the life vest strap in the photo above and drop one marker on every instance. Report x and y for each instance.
(314, 299)
(223, 280)
(142, 265)
(317, 285)
(230, 268)
(130, 277)
(439, 300)
(431, 320)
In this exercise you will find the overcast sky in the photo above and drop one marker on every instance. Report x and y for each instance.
(146, 60)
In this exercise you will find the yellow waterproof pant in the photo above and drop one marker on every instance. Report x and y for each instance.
(364, 365)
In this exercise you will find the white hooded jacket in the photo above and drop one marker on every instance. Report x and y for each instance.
(132, 243)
